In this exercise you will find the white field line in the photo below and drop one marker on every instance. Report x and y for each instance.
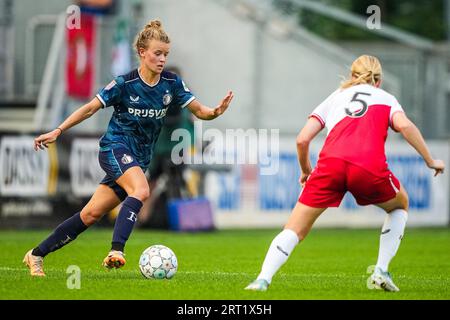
(220, 273)
(247, 274)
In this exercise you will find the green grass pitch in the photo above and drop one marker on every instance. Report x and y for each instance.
(329, 264)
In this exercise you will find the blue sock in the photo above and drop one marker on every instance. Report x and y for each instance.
(62, 235)
(124, 222)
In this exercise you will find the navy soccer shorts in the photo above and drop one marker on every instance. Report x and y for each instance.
(115, 162)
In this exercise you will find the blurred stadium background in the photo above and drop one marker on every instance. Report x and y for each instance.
(281, 58)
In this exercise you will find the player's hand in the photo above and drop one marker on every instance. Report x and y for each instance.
(223, 106)
(303, 178)
(44, 139)
(438, 166)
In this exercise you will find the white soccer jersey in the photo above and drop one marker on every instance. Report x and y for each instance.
(357, 121)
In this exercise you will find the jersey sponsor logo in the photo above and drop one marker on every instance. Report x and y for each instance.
(110, 85)
(126, 159)
(134, 99)
(167, 98)
(148, 113)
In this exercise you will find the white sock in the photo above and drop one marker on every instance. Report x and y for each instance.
(391, 235)
(278, 253)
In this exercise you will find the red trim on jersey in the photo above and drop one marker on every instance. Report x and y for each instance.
(322, 122)
(390, 119)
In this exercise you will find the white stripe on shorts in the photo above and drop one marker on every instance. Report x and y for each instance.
(393, 185)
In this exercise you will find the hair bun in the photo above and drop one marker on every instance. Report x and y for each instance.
(154, 24)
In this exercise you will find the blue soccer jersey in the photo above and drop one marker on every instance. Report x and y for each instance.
(139, 111)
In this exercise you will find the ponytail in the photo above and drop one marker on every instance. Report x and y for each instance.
(365, 70)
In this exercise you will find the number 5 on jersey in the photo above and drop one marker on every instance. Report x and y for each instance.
(359, 112)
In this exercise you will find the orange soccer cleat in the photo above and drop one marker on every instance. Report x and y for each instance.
(114, 259)
(35, 264)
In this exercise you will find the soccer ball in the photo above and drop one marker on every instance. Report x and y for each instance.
(158, 262)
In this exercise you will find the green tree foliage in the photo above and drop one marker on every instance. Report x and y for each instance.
(421, 17)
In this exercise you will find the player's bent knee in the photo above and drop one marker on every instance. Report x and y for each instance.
(301, 233)
(89, 217)
(403, 200)
(406, 201)
(141, 193)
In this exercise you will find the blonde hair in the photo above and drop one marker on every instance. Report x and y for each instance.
(152, 31)
(365, 70)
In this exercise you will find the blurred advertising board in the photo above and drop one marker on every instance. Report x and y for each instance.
(246, 198)
(40, 188)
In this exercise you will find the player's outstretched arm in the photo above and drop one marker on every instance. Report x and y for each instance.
(411, 133)
(76, 117)
(206, 113)
(304, 138)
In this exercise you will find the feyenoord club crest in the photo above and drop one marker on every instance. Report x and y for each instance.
(167, 98)
(126, 159)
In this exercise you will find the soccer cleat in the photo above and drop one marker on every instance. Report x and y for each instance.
(258, 285)
(383, 280)
(35, 264)
(114, 259)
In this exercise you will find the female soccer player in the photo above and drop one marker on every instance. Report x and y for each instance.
(141, 99)
(357, 117)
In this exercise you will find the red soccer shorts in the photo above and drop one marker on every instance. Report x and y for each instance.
(333, 177)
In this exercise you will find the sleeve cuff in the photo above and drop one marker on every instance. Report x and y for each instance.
(187, 102)
(316, 116)
(101, 100)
